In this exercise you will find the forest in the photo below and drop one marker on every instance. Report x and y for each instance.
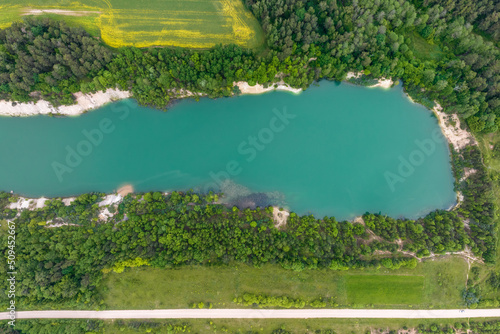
(484, 15)
(306, 41)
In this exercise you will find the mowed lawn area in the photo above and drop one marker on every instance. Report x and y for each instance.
(433, 284)
(185, 23)
(385, 289)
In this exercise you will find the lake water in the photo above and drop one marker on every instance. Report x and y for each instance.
(335, 149)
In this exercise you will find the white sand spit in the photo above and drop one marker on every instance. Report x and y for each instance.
(383, 83)
(245, 88)
(125, 190)
(84, 102)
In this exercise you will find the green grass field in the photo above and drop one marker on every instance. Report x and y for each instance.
(435, 284)
(423, 49)
(491, 159)
(185, 23)
(385, 289)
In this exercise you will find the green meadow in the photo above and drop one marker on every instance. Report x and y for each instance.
(268, 326)
(433, 284)
(385, 289)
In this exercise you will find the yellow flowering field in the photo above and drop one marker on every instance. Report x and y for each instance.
(185, 23)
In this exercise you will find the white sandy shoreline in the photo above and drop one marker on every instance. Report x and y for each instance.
(108, 201)
(450, 126)
(280, 216)
(245, 88)
(84, 102)
(382, 82)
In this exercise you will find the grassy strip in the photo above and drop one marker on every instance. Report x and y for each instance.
(280, 326)
(385, 289)
(432, 284)
(490, 150)
(273, 326)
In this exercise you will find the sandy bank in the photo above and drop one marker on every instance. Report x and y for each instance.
(84, 102)
(31, 204)
(450, 126)
(24, 203)
(27, 203)
(382, 82)
(280, 216)
(457, 137)
(245, 88)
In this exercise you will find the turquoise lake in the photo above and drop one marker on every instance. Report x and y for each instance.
(335, 149)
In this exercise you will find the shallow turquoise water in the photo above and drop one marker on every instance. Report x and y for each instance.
(335, 150)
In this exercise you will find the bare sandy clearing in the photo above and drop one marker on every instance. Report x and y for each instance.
(280, 217)
(450, 125)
